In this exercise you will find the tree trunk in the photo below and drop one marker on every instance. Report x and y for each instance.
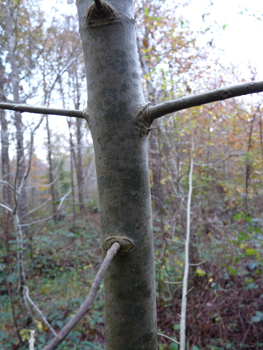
(50, 172)
(121, 151)
(79, 168)
(248, 161)
(156, 167)
(5, 162)
(79, 164)
(11, 33)
(155, 162)
(72, 155)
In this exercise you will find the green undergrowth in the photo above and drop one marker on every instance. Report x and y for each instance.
(225, 301)
(60, 267)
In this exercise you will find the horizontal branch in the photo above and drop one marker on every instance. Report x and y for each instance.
(42, 110)
(86, 306)
(164, 108)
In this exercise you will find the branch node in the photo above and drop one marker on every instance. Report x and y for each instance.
(126, 244)
(99, 6)
(143, 120)
(100, 13)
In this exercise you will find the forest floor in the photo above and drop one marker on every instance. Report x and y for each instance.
(225, 302)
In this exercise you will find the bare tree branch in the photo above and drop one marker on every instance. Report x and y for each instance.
(7, 184)
(166, 336)
(36, 222)
(207, 97)
(6, 207)
(86, 306)
(31, 148)
(43, 185)
(42, 110)
(202, 262)
(40, 313)
(33, 210)
(63, 198)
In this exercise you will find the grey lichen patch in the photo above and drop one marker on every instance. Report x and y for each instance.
(97, 18)
(126, 244)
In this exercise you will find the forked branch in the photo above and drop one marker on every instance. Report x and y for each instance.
(164, 108)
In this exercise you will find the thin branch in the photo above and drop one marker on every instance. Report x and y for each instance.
(63, 198)
(42, 185)
(7, 184)
(86, 306)
(31, 149)
(171, 240)
(168, 282)
(36, 222)
(166, 336)
(221, 160)
(201, 263)
(7, 208)
(200, 99)
(42, 110)
(190, 290)
(33, 210)
(40, 313)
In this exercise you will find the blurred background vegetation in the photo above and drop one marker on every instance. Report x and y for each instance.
(60, 219)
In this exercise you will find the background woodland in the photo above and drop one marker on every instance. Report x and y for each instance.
(41, 63)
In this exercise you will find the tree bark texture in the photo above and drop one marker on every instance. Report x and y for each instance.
(115, 102)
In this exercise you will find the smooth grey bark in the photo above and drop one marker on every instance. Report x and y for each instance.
(115, 101)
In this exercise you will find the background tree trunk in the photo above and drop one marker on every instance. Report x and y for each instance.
(5, 162)
(72, 156)
(79, 168)
(11, 27)
(155, 162)
(50, 172)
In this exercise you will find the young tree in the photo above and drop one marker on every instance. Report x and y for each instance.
(120, 119)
